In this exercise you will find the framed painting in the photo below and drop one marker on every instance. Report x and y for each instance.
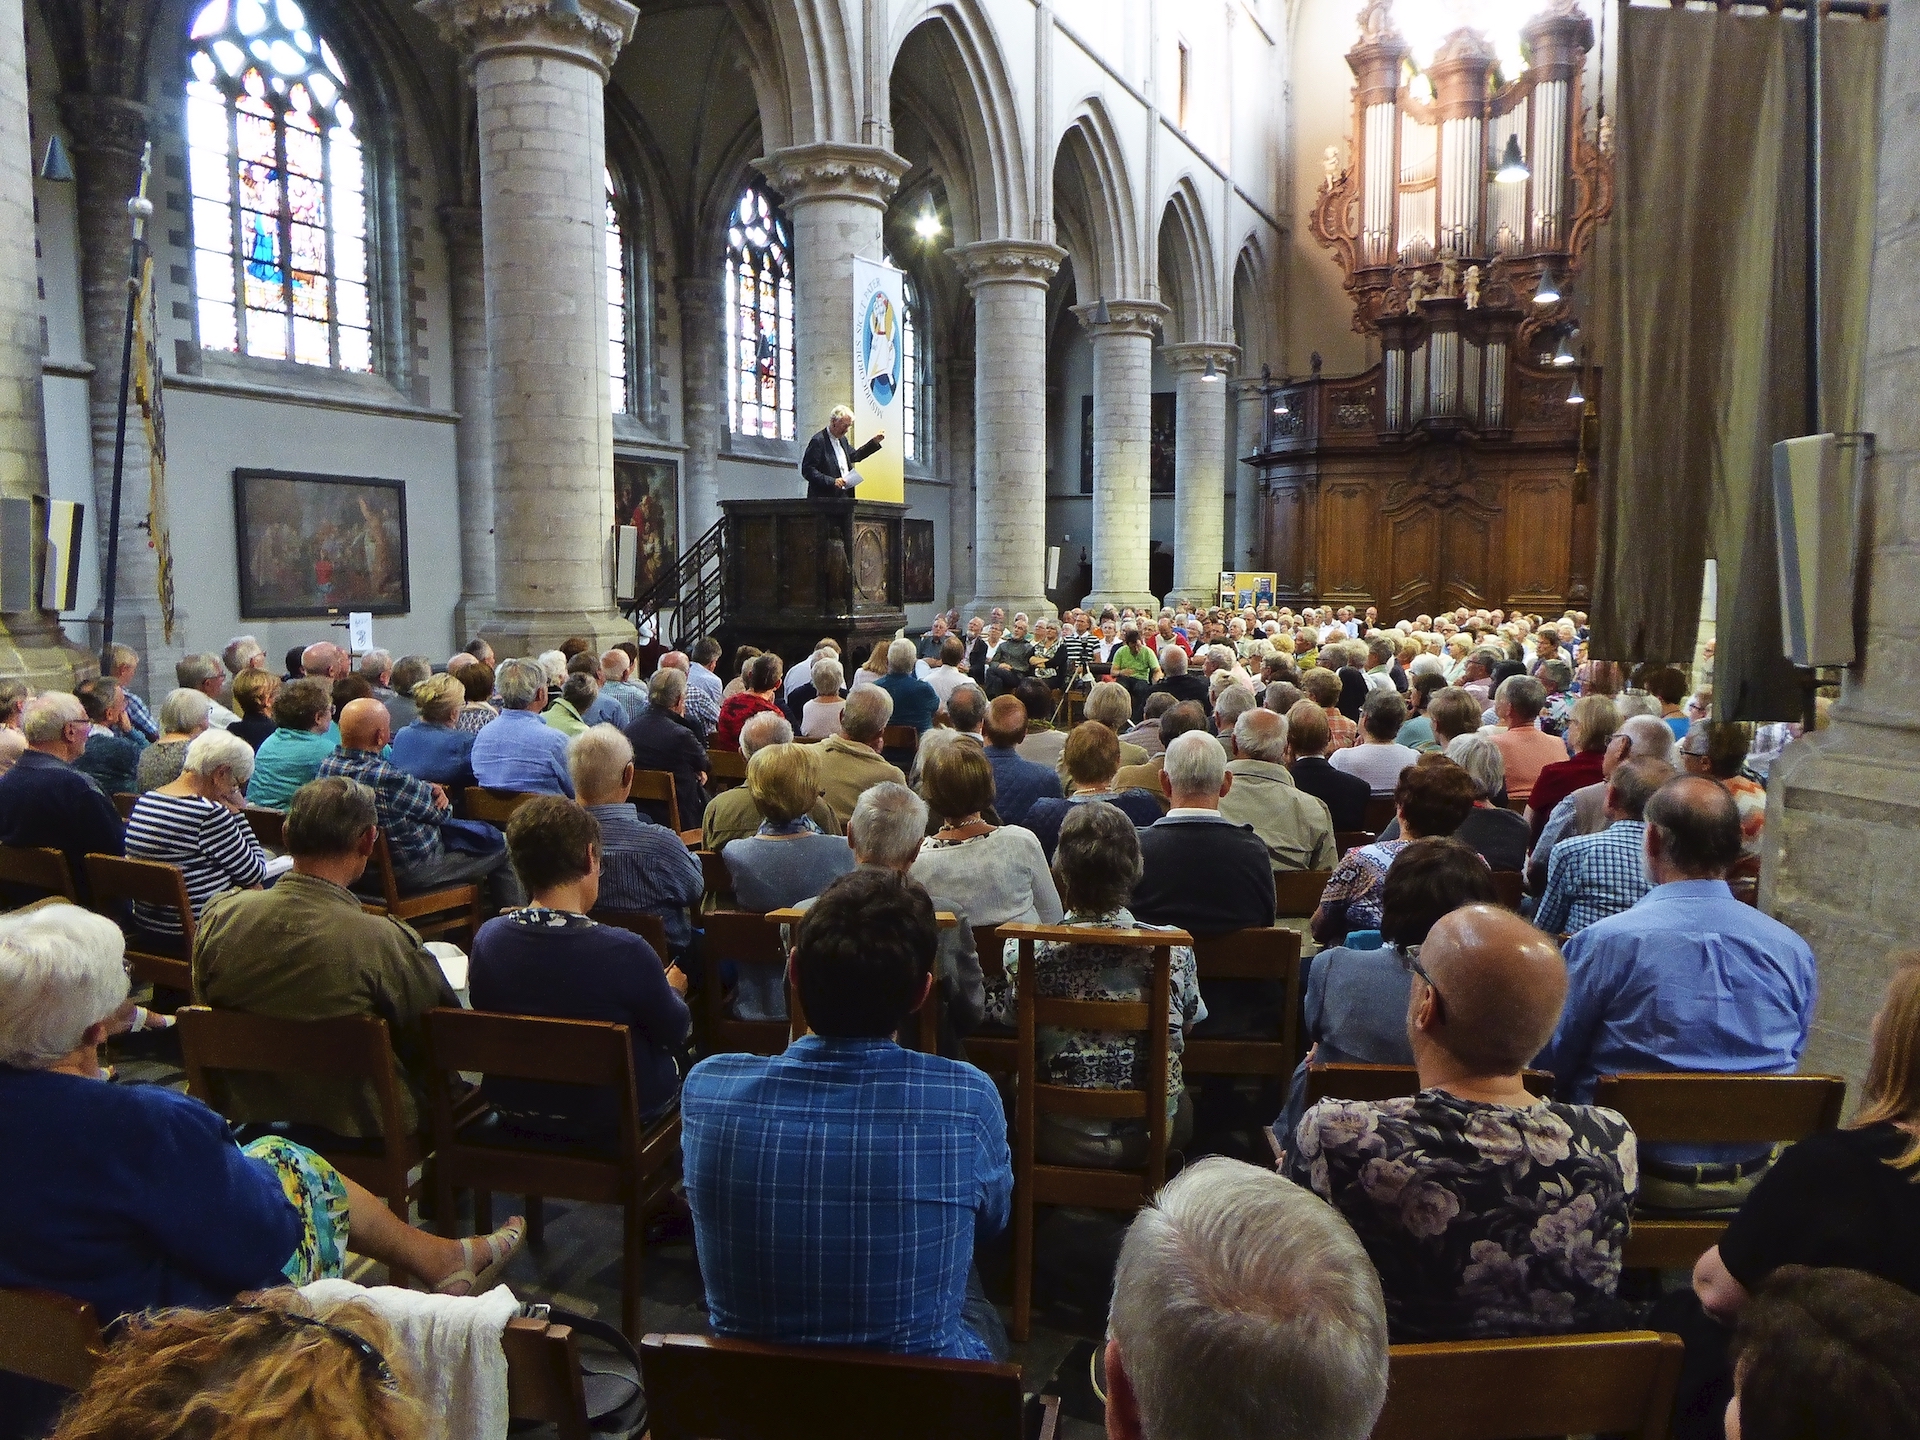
(320, 544)
(646, 495)
(1160, 443)
(916, 561)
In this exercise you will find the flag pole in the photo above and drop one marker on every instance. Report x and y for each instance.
(141, 209)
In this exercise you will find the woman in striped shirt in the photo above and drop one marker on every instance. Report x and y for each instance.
(196, 824)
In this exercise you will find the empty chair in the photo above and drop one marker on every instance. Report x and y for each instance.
(1269, 955)
(442, 910)
(33, 873)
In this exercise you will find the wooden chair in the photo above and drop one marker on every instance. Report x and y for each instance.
(901, 740)
(269, 827)
(1508, 887)
(1379, 814)
(650, 928)
(634, 1173)
(1518, 807)
(124, 803)
(995, 1054)
(702, 1387)
(496, 807)
(49, 1337)
(725, 769)
(439, 911)
(1620, 1383)
(1345, 840)
(1262, 954)
(716, 877)
(543, 1376)
(1296, 893)
(1701, 1109)
(1389, 1082)
(33, 868)
(1102, 1189)
(348, 1049)
(744, 938)
(655, 787)
(151, 960)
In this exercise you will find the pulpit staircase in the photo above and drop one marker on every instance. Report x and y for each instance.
(688, 600)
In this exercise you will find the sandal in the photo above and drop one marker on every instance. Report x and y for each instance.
(486, 1257)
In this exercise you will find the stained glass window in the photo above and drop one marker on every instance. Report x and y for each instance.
(619, 326)
(759, 319)
(279, 189)
(915, 393)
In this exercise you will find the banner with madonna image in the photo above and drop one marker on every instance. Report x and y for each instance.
(879, 366)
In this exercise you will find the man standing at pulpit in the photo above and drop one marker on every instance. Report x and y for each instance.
(828, 465)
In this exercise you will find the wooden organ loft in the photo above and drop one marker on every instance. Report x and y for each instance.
(1457, 470)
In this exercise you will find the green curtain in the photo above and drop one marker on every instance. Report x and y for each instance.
(1704, 289)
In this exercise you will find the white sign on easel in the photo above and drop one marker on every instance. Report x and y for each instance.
(360, 631)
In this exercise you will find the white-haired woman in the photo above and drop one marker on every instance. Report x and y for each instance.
(820, 716)
(184, 714)
(134, 1197)
(196, 823)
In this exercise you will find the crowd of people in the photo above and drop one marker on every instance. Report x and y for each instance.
(1126, 771)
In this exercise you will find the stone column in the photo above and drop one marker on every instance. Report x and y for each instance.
(837, 195)
(539, 78)
(954, 403)
(473, 438)
(31, 644)
(703, 398)
(1199, 467)
(1122, 443)
(1250, 427)
(1009, 280)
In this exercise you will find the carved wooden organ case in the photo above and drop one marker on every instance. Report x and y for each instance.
(1455, 471)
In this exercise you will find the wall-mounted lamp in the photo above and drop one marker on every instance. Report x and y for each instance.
(57, 166)
(1513, 168)
(1101, 315)
(1563, 355)
(1549, 291)
(1212, 375)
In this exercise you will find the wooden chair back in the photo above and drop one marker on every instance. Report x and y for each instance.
(150, 961)
(702, 1387)
(656, 787)
(1103, 1189)
(439, 911)
(1620, 1383)
(1508, 887)
(725, 769)
(1379, 814)
(543, 1376)
(650, 928)
(1759, 1110)
(903, 738)
(49, 1337)
(269, 827)
(1296, 893)
(1390, 1082)
(1345, 840)
(745, 938)
(124, 801)
(1272, 955)
(349, 1048)
(715, 876)
(995, 1054)
(496, 807)
(35, 868)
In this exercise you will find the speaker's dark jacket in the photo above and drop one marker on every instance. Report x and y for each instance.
(820, 468)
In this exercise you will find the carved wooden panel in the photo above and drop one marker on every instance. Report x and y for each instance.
(800, 564)
(1538, 518)
(1349, 536)
(1290, 539)
(756, 561)
(870, 563)
(1413, 561)
(1469, 572)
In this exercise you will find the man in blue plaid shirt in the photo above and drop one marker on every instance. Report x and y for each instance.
(1590, 877)
(838, 1189)
(412, 811)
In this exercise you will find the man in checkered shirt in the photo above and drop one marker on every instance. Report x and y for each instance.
(1590, 877)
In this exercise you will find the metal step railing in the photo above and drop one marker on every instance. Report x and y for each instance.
(686, 602)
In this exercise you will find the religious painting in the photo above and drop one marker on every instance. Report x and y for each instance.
(646, 495)
(1160, 443)
(916, 561)
(319, 544)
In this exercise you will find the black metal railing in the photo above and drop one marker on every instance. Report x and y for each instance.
(686, 602)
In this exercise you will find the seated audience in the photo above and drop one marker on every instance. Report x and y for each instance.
(1243, 1306)
(197, 823)
(894, 1162)
(1091, 761)
(820, 714)
(743, 656)
(549, 958)
(643, 866)
(1295, 827)
(1201, 872)
(947, 668)
(14, 695)
(1470, 1244)
(519, 751)
(601, 708)
(1174, 720)
(620, 687)
(183, 715)
(1017, 782)
(578, 694)
(304, 735)
(1417, 733)
(322, 660)
(1011, 660)
(1324, 689)
(1146, 734)
(759, 692)
(1589, 732)
(434, 747)
(1044, 745)
(1497, 833)
(47, 804)
(997, 873)
(850, 762)
(1096, 868)
(1584, 812)
(1432, 800)
(800, 685)
(1720, 749)
(476, 713)
(914, 700)
(875, 666)
(664, 739)
(112, 756)
(1108, 704)
(304, 950)
(704, 690)
(1378, 758)
(1688, 979)
(733, 815)
(1452, 712)
(208, 675)
(1345, 796)
(1593, 876)
(121, 664)
(1526, 748)
(1178, 681)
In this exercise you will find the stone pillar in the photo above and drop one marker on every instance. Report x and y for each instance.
(1122, 444)
(1009, 280)
(703, 398)
(539, 78)
(1249, 430)
(1199, 467)
(954, 408)
(31, 644)
(837, 195)
(473, 439)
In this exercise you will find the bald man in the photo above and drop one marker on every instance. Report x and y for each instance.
(1487, 1213)
(324, 660)
(414, 814)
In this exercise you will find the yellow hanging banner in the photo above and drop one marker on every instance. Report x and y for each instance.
(879, 367)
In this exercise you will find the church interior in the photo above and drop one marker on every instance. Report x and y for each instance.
(513, 322)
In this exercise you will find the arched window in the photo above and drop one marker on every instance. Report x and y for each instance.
(759, 319)
(916, 393)
(278, 181)
(619, 316)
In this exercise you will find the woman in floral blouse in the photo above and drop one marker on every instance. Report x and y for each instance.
(1432, 798)
(1486, 1211)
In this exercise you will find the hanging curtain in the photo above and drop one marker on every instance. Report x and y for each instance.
(1704, 285)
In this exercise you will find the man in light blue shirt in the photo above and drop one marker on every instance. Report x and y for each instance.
(520, 751)
(1688, 979)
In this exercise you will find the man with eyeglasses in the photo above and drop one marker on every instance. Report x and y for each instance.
(46, 803)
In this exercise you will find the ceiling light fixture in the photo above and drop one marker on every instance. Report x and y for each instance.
(1574, 397)
(1548, 292)
(1513, 168)
(1563, 355)
(57, 166)
(927, 225)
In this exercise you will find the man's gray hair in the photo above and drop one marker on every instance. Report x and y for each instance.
(1261, 735)
(192, 672)
(184, 711)
(865, 714)
(1636, 702)
(1111, 705)
(1195, 764)
(596, 757)
(119, 657)
(1173, 660)
(900, 657)
(327, 817)
(1231, 704)
(44, 718)
(409, 671)
(967, 708)
(763, 730)
(214, 749)
(1245, 1306)
(1525, 696)
(1486, 657)
(888, 824)
(1281, 696)
(1482, 760)
(1652, 737)
(61, 970)
(240, 652)
(519, 683)
(376, 664)
(667, 687)
(1426, 664)
(554, 666)
(1220, 655)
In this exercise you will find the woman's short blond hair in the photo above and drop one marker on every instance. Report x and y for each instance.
(784, 781)
(439, 698)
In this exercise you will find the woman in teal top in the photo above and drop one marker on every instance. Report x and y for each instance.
(291, 755)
